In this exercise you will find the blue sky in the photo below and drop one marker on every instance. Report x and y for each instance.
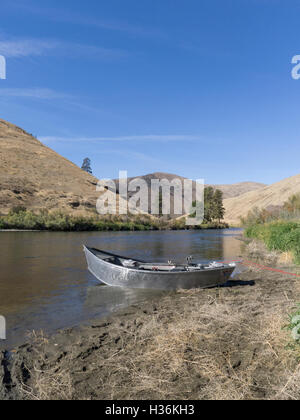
(200, 88)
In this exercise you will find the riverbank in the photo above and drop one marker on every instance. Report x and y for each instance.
(24, 220)
(279, 235)
(222, 343)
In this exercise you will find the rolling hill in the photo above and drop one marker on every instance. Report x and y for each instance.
(229, 190)
(235, 190)
(270, 196)
(36, 177)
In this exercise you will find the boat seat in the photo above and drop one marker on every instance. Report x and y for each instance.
(156, 267)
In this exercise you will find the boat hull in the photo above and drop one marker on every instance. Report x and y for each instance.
(118, 276)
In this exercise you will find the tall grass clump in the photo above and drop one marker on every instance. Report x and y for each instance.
(278, 227)
(281, 236)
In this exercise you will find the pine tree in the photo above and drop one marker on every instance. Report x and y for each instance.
(219, 210)
(86, 165)
(208, 204)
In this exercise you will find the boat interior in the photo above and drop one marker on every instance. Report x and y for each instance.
(141, 265)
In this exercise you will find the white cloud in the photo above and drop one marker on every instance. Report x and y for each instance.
(37, 93)
(131, 155)
(108, 25)
(69, 16)
(145, 138)
(25, 47)
(36, 47)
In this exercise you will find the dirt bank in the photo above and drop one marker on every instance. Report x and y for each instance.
(222, 343)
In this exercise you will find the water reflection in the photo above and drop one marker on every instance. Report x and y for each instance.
(107, 299)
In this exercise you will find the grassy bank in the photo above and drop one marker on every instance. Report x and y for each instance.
(278, 228)
(279, 235)
(22, 219)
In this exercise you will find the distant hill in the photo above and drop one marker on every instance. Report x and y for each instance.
(270, 196)
(234, 190)
(229, 190)
(36, 177)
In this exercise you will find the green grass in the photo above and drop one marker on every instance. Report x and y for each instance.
(22, 219)
(58, 221)
(279, 235)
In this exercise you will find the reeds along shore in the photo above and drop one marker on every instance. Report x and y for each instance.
(278, 228)
(22, 219)
(281, 236)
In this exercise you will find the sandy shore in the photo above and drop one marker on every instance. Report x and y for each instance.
(222, 343)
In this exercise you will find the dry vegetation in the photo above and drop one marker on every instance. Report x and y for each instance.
(34, 176)
(269, 197)
(225, 343)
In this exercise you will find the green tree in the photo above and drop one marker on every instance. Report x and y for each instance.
(219, 210)
(213, 205)
(208, 204)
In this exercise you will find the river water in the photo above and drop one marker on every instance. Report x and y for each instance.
(44, 283)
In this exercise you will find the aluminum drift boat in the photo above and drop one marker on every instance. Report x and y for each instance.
(118, 271)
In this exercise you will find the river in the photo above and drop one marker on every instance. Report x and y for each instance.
(44, 283)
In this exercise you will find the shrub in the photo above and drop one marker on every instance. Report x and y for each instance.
(281, 236)
(20, 218)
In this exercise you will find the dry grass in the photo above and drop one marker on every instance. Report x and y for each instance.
(46, 382)
(286, 258)
(196, 357)
(209, 354)
(220, 344)
(256, 249)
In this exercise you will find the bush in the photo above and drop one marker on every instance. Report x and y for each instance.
(280, 236)
(290, 211)
(17, 209)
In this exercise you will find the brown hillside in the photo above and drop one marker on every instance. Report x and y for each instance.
(270, 196)
(230, 190)
(234, 190)
(36, 177)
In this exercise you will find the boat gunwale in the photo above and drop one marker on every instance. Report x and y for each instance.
(154, 272)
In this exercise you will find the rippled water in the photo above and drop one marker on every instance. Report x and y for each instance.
(44, 283)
